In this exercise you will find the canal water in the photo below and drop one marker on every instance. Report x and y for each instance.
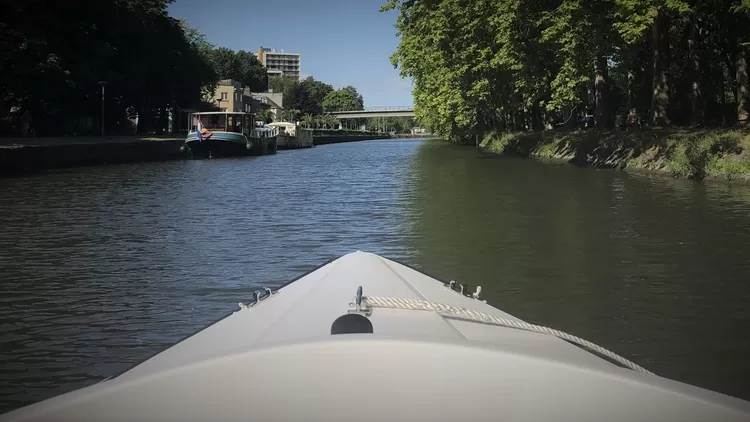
(102, 267)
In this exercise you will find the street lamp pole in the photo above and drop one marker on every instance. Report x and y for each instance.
(103, 84)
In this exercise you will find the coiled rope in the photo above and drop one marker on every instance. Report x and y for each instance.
(464, 313)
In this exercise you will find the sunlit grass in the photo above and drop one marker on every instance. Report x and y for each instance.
(705, 153)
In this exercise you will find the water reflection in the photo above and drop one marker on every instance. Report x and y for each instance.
(654, 268)
(104, 266)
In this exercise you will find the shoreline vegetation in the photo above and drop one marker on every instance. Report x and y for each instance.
(526, 77)
(96, 67)
(698, 154)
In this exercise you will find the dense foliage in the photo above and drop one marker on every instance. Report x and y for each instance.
(496, 65)
(52, 55)
(309, 96)
(343, 99)
(240, 66)
(390, 124)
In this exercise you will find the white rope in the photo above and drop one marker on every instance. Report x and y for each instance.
(459, 312)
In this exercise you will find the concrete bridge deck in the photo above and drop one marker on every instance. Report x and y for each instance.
(374, 112)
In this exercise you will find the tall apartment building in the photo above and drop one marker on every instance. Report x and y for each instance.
(279, 63)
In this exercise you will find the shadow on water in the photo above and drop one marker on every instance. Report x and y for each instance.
(655, 269)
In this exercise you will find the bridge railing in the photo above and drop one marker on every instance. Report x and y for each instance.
(265, 132)
(375, 109)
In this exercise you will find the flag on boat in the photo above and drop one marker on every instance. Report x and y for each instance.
(201, 132)
(198, 129)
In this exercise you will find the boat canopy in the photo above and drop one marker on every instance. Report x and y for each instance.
(221, 121)
(286, 127)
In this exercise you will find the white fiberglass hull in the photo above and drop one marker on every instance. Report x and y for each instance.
(277, 360)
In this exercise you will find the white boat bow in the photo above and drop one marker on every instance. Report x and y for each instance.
(407, 347)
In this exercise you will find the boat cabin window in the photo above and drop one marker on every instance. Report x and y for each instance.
(247, 124)
(214, 121)
(233, 122)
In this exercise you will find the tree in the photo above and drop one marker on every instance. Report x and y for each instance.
(225, 63)
(290, 115)
(634, 19)
(267, 116)
(252, 73)
(582, 31)
(308, 120)
(327, 121)
(53, 55)
(307, 95)
(343, 99)
(240, 66)
(741, 8)
(317, 92)
(281, 83)
(494, 65)
(204, 51)
(297, 96)
(397, 124)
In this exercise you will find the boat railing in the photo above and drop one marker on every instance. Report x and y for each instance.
(265, 132)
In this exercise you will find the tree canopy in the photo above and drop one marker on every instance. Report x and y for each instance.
(494, 65)
(306, 95)
(343, 99)
(54, 54)
(240, 66)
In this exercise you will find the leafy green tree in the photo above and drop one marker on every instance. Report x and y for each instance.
(266, 115)
(317, 92)
(53, 57)
(582, 32)
(252, 72)
(205, 51)
(308, 120)
(494, 65)
(241, 66)
(290, 115)
(225, 63)
(397, 124)
(637, 17)
(327, 121)
(281, 83)
(306, 95)
(343, 99)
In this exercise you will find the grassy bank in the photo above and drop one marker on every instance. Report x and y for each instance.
(720, 154)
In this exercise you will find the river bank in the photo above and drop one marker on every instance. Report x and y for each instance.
(337, 136)
(712, 154)
(26, 155)
(31, 154)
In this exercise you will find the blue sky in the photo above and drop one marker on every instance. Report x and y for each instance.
(341, 42)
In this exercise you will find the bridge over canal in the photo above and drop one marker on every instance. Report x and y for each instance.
(374, 112)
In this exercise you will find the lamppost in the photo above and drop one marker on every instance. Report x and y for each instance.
(103, 84)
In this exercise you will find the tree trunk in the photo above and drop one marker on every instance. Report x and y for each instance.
(696, 94)
(518, 119)
(536, 118)
(660, 85)
(723, 88)
(603, 110)
(631, 83)
(742, 88)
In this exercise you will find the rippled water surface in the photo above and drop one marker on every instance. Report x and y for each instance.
(102, 267)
